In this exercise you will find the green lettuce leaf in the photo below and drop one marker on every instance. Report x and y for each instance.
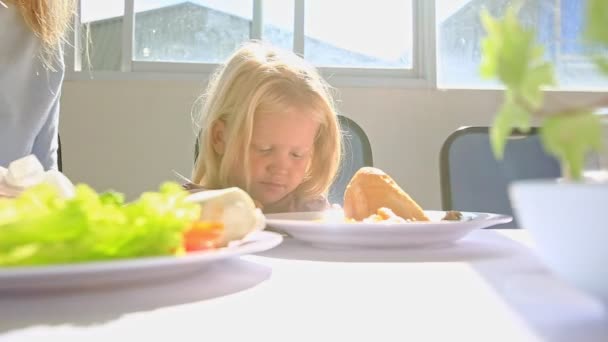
(39, 227)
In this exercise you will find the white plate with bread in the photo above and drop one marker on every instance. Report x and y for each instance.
(378, 213)
(321, 229)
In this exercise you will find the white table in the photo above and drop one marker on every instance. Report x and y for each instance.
(488, 287)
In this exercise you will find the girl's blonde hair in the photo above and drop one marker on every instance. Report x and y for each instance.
(259, 78)
(49, 20)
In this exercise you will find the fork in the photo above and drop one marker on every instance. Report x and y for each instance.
(179, 175)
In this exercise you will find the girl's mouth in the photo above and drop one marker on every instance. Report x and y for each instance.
(273, 184)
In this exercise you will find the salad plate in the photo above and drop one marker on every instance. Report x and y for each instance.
(320, 228)
(125, 271)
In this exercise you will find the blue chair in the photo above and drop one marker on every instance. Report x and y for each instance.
(357, 153)
(472, 179)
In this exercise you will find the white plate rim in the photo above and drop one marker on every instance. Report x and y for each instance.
(256, 242)
(479, 219)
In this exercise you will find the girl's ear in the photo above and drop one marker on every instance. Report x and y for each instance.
(217, 136)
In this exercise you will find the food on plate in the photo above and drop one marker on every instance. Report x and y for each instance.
(371, 189)
(233, 207)
(27, 172)
(40, 227)
(384, 215)
(202, 235)
(452, 215)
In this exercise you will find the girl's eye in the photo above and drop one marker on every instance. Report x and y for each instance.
(297, 155)
(264, 149)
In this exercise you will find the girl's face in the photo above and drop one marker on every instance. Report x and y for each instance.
(280, 152)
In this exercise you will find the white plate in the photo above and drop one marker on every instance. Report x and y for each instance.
(95, 274)
(310, 227)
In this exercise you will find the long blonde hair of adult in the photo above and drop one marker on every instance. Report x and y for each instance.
(49, 20)
(259, 78)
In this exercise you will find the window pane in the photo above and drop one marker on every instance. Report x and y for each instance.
(278, 23)
(206, 31)
(365, 33)
(558, 24)
(102, 28)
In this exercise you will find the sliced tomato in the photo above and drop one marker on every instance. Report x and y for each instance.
(203, 235)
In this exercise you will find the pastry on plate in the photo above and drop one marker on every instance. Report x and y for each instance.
(371, 189)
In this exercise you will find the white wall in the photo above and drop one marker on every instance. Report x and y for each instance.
(129, 135)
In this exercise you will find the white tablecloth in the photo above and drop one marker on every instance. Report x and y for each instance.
(488, 287)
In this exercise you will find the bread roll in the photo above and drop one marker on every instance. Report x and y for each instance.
(371, 189)
(232, 206)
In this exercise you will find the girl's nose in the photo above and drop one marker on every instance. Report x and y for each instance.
(280, 163)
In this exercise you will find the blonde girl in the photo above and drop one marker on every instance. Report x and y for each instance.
(269, 126)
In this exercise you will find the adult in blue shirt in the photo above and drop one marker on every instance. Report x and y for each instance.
(31, 76)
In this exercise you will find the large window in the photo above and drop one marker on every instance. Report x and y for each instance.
(367, 34)
(172, 35)
(100, 34)
(559, 28)
(366, 42)
(195, 32)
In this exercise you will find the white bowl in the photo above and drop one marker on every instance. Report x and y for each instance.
(569, 225)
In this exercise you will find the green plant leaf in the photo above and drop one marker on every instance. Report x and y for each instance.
(506, 48)
(570, 137)
(602, 64)
(597, 21)
(511, 54)
(510, 116)
(531, 87)
(487, 67)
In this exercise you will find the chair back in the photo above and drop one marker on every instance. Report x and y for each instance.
(472, 179)
(357, 153)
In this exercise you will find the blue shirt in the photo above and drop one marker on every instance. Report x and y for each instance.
(29, 94)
